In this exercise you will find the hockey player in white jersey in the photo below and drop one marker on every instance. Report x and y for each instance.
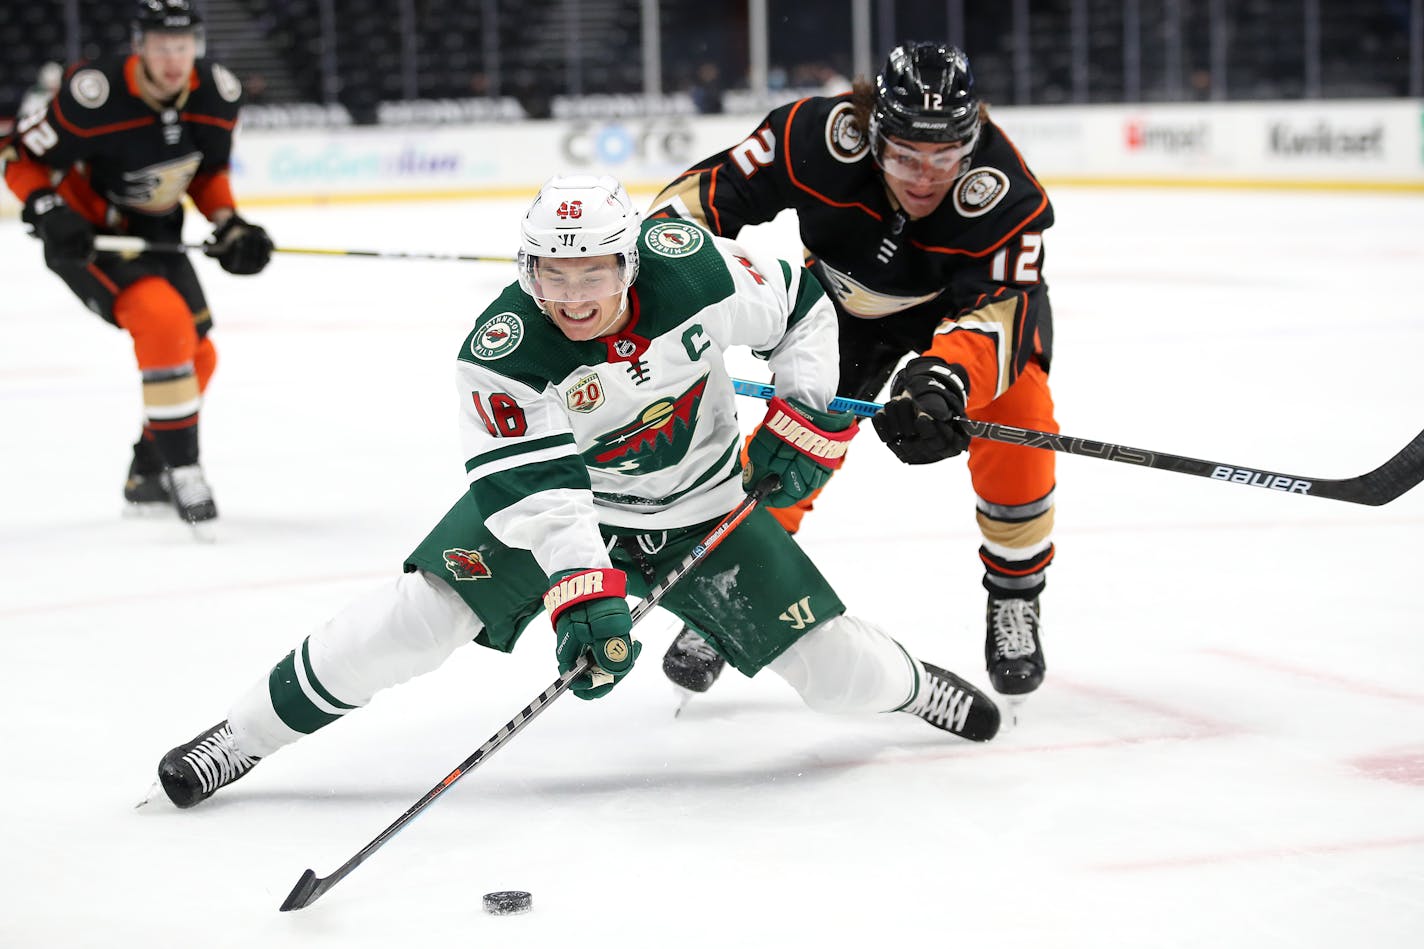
(601, 442)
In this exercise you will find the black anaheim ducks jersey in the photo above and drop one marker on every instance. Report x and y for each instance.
(125, 159)
(983, 242)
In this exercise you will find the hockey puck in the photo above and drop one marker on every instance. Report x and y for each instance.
(507, 902)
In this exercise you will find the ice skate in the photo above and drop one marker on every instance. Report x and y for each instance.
(946, 701)
(191, 772)
(691, 662)
(145, 490)
(1012, 650)
(193, 499)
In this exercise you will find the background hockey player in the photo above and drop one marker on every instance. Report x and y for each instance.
(926, 227)
(37, 97)
(116, 150)
(601, 437)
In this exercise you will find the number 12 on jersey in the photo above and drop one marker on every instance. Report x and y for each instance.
(1025, 265)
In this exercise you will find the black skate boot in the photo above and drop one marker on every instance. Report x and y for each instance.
(145, 484)
(946, 701)
(193, 771)
(691, 662)
(191, 494)
(1012, 650)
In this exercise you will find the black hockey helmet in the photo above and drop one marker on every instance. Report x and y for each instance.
(925, 93)
(167, 16)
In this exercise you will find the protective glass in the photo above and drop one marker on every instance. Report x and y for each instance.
(574, 279)
(911, 164)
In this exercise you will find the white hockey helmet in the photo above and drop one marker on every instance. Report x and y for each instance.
(579, 216)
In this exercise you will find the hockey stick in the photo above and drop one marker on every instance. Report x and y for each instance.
(1380, 486)
(112, 243)
(310, 887)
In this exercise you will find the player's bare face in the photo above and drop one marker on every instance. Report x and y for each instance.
(583, 296)
(920, 174)
(168, 59)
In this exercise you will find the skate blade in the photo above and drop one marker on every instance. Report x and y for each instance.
(684, 696)
(1013, 705)
(154, 790)
(148, 510)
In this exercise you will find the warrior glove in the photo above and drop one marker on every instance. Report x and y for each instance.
(799, 444)
(68, 237)
(240, 247)
(590, 614)
(921, 421)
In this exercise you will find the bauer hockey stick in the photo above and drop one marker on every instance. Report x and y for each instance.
(1384, 484)
(110, 243)
(310, 887)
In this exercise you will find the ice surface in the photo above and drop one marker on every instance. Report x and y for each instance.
(1228, 750)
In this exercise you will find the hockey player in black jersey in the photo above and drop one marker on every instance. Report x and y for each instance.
(925, 225)
(124, 139)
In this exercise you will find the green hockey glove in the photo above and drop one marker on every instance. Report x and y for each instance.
(590, 614)
(801, 445)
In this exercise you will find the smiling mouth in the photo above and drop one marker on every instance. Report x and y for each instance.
(578, 316)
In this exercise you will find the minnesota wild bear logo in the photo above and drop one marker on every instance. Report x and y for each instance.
(658, 438)
(466, 564)
(673, 239)
(497, 337)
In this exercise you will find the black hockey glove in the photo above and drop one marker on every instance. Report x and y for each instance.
(240, 247)
(918, 423)
(68, 237)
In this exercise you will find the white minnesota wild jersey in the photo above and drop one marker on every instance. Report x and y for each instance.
(637, 430)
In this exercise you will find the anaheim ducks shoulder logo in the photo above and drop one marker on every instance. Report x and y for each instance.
(497, 337)
(979, 191)
(90, 88)
(228, 85)
(843, 137)
(466, 564)
(657, 438)
(673, 239)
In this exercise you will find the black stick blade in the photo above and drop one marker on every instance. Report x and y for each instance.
(306, 891)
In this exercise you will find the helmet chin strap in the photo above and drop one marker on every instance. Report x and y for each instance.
(622, 309)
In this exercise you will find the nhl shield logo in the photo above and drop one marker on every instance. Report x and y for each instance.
(497, 337)
(673, 239)
(466, 564)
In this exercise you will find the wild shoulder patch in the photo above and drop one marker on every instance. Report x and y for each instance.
(90, 88)
(466, 564)
(673, 239)
(843, 138)
(497, 337)
(978, 191)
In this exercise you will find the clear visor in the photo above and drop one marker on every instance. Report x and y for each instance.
(171, 43)
(574, 279)
(934, 165)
